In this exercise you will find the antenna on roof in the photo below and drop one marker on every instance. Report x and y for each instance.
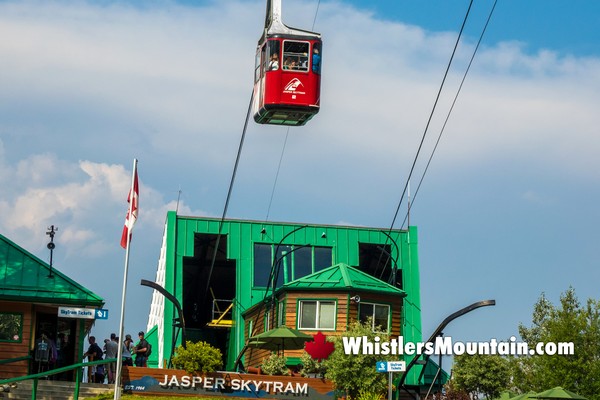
(51, 232)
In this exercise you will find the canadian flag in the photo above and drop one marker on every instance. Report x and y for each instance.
(132, 211)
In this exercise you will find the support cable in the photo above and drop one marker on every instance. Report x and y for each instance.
(431, 116)
(286, 137)
(450, 111)
(277, 174)
(235, 167)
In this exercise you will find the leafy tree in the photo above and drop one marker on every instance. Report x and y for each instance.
(485, 374)
(356, 374)
(197, 357)
(570, 321)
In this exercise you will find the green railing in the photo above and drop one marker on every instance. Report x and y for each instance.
(12, 360)
(44, 374)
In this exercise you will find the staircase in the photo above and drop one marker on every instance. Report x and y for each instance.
(53, 390)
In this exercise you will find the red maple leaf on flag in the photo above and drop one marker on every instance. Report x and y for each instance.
(319, 348)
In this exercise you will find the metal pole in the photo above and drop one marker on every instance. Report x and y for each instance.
(390, 385)
(117, 395)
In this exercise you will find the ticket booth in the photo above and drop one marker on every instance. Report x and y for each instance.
(34, 337)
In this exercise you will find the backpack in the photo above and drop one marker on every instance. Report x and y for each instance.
(98, 353)
(148, 349)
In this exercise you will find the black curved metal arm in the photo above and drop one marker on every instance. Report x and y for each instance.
(174, 300)
(441, 327)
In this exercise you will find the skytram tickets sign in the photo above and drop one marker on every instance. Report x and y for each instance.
(225, 384)
(72, 312)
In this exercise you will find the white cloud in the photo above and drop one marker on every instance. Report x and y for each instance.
(87, 87)
(175, 84)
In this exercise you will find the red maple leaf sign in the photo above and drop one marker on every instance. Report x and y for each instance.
(319, 348)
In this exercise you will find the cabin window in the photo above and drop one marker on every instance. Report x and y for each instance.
(378, 314)
(267, 320)
(316, 58)
(258, 71)
(280, 313)
(11, 327)
(316, 314)
(295, 55)
(273, 56)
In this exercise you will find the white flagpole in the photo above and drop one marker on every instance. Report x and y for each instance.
(121, 328)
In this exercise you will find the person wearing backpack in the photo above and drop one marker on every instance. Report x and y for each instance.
(142, 350)
(95, 353)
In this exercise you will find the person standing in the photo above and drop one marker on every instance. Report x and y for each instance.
(316, 61)
(127, 351)
(95, 353)
(112, 347)
(141, 350)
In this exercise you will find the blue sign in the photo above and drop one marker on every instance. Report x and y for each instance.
(390, 366)
(101, 313)
(381, 366)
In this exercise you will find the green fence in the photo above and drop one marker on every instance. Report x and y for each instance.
(35, 377)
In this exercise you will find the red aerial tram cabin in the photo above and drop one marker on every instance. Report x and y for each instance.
(287, 76)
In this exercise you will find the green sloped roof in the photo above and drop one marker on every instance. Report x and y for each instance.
(24, 277)
(343, 277)
(430, 371)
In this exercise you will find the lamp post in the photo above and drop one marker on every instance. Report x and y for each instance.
(178, 322)
(438, 332)
(51, 246)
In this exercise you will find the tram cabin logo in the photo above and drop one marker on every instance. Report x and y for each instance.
(293, 87)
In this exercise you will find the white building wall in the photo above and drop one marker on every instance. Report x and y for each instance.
(157, 307)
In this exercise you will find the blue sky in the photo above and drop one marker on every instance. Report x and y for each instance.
(508, 209)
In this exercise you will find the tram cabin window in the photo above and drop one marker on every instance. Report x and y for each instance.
(295, 55)
(316, 58)
(257, 66)
(273, 56)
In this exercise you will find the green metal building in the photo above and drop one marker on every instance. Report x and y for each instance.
(218, 269)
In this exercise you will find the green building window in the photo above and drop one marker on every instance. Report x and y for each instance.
(262, 264)
(378, 314)
(316, 314)
(295, 262)
(11, 327)
(322, 257)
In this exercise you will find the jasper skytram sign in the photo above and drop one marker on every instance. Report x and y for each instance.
(226, 384)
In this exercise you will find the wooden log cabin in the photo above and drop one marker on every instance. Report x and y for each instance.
(326, 301)
(31, 294)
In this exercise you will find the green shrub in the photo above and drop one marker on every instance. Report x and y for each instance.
(310, 365)
(197, 357)
(274, 365)
(354, 374)
(365, 394)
